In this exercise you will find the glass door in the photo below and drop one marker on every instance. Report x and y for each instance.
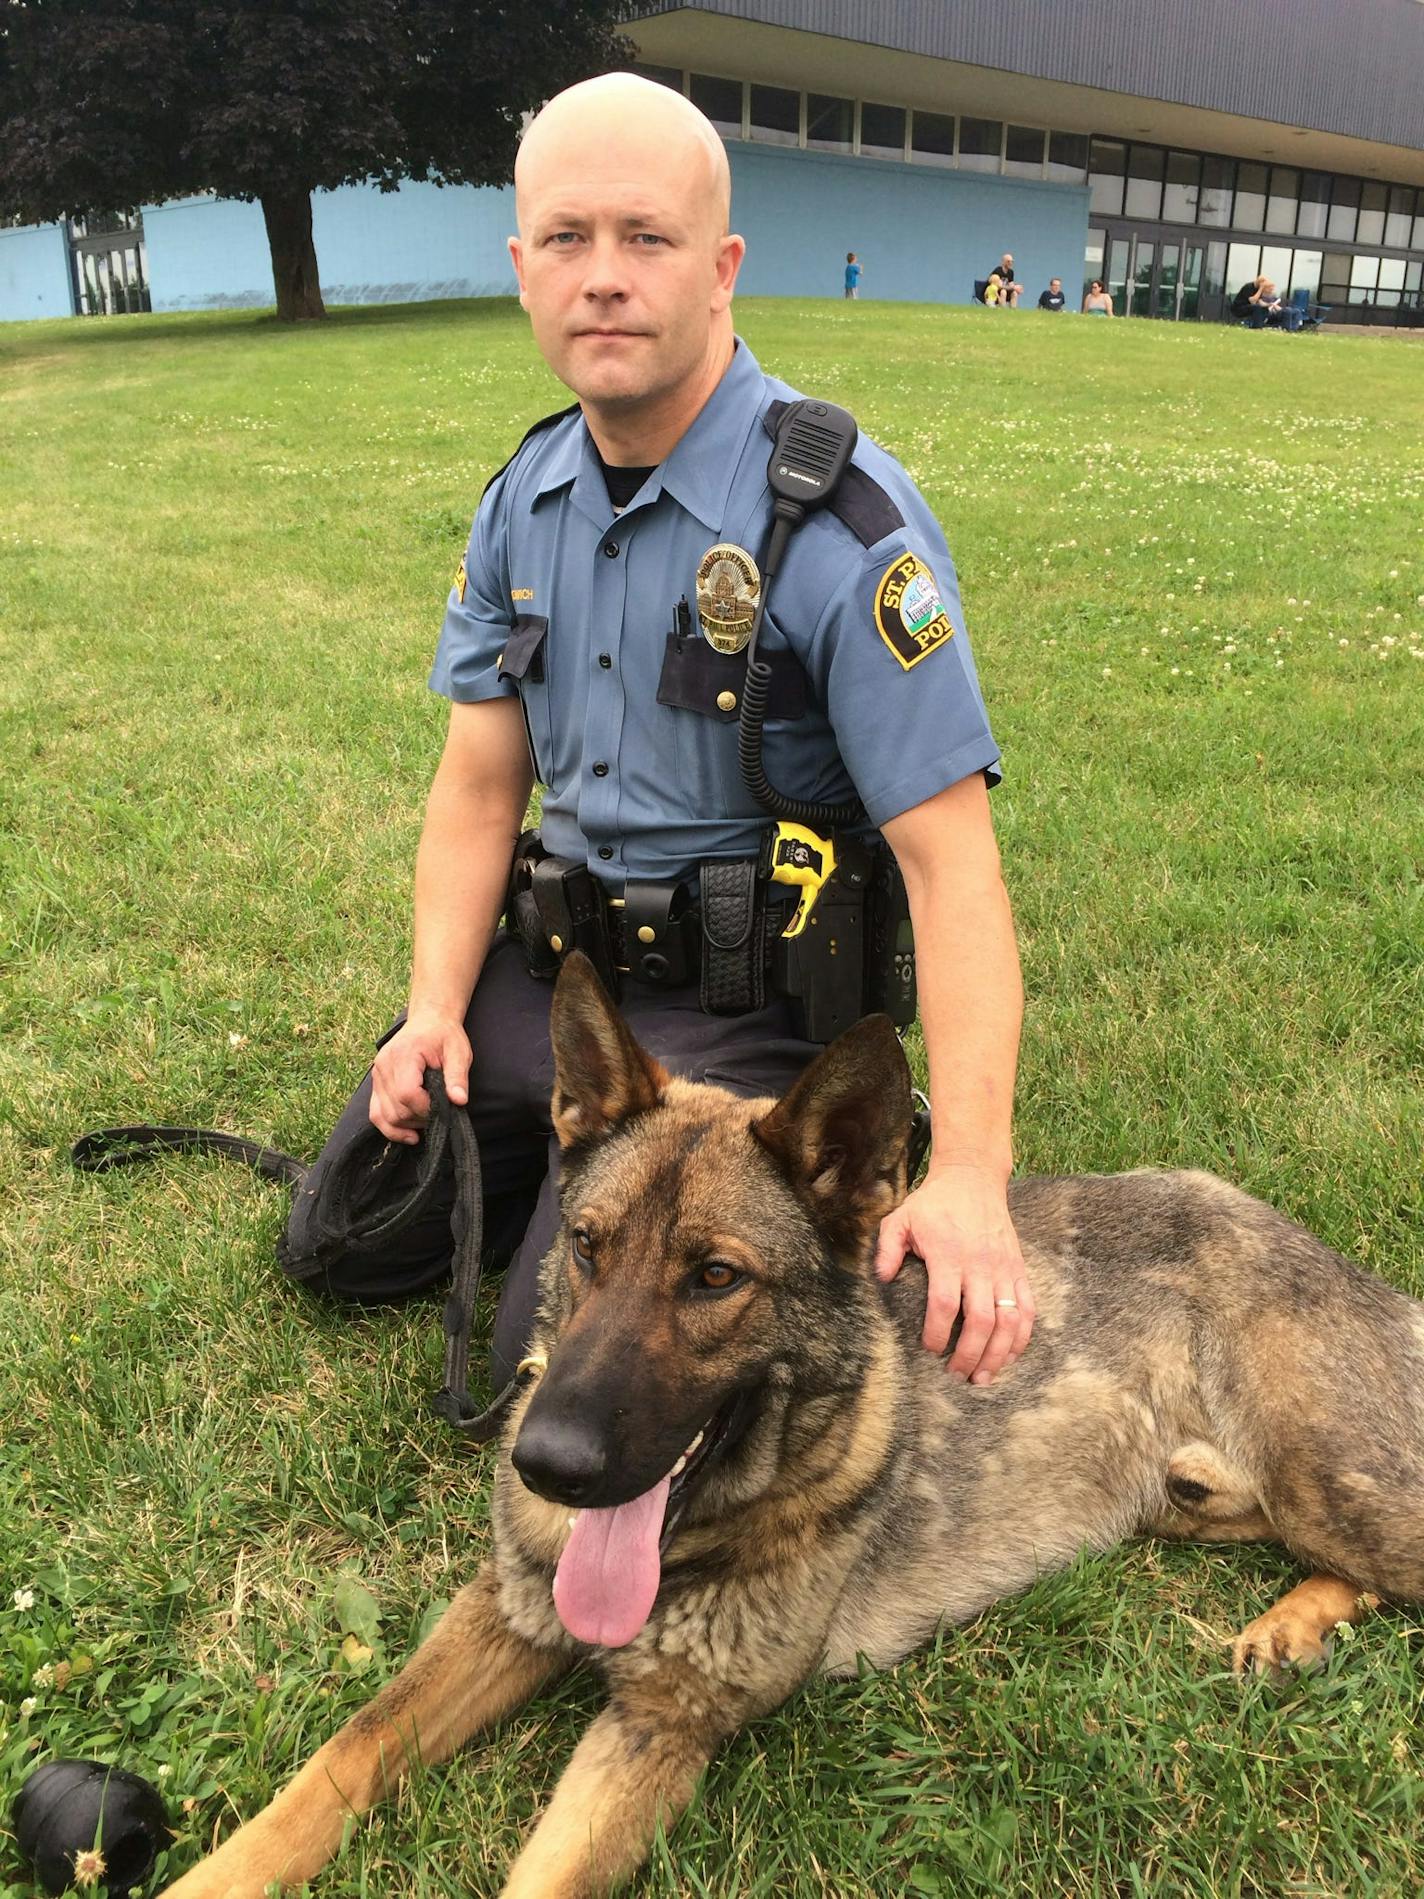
(1144, 270)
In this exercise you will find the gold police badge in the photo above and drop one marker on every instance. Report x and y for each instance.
(728, 588)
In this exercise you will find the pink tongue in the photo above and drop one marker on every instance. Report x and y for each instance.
(607, 1579)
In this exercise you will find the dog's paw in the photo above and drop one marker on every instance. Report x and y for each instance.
(1281, 1640)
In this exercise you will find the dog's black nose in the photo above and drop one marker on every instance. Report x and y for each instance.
(559, 1458)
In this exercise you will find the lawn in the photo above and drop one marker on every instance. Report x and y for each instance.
(1192, 567)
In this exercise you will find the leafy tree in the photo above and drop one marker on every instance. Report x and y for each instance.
(115, 102)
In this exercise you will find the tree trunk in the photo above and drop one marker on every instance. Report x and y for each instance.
(294, 272)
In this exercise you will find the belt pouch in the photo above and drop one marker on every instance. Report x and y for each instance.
(572, 914)
(521, 911)
(654, 942)
(733, 955)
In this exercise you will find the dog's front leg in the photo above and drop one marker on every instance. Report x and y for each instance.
(638, 1765)
(472, 1670)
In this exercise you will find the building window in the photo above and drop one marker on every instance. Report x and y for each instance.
(1107, 171)
(1391, 281)
(775, 115)
(1305, 272)
(1276, 264)
(1418, 243)
(1335, 277)
(1250, 213)
(1067, 157)
(1282, 202)
(1364, 275)
(1218, 182)
(721, 100)
(932, 138)
(1214, 281)
(1144, 182)
(668, 76)
(882, 131)
(1243, 265)
(1183, 187)
(1399, 218)
(980, 144)
(830, 123)
(1093, 260)
(1023, 152)
(1344, 209)
(1373, 199)
(1314, 204)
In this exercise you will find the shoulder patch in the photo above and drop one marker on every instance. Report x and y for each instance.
(859, 500)
(909, 613)
(538, 428)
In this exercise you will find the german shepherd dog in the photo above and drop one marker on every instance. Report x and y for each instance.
(738, 1465)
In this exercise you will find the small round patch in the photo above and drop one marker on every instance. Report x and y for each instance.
(909, 612)
(728, 588)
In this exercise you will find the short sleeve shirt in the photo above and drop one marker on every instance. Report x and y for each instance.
(577, 610)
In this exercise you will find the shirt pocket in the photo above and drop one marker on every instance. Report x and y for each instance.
(703, 689)
(524, 660)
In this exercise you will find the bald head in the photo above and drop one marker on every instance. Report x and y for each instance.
(629, 127)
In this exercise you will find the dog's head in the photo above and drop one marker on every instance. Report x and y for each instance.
(709, 1249)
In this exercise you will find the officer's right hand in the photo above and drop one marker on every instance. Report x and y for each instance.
(400, 1106)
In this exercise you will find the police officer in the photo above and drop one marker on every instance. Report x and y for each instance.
(592, 638)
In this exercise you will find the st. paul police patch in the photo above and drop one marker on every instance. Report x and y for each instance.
(909, 611)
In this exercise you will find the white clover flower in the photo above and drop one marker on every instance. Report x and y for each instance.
(235, 1040)
(28, 1706)
(23, 1598)
(43, 1676)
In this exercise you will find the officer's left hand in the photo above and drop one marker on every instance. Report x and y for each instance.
(958, 1222)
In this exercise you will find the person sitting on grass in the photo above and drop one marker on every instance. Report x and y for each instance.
(1097, 302)
(1052, 298)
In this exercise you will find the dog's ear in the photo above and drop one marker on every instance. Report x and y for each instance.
(601, 1075)
(842, 1133)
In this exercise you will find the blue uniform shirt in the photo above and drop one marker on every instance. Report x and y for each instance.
(571, 606)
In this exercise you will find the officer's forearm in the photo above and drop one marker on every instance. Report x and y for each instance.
(971, 1009)
(461, 873)
(967, 966)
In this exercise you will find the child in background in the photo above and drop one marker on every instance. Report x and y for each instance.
(852, 275)
(994, 289)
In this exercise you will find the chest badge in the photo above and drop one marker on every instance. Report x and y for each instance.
(728, 588)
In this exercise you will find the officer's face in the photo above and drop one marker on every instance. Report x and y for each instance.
(623, 261)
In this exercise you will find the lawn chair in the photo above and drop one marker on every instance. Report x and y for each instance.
(981, 284)
(1303, 314)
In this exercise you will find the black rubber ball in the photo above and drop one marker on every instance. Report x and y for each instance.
(66, 1806)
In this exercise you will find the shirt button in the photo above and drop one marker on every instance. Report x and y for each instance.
(726, 702)
(610, 548)
(605, 660)
(600, 769)
(605, 851)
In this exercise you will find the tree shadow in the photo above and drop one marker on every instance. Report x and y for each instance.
(260, 326)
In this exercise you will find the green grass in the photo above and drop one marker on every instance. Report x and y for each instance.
(1192, 567)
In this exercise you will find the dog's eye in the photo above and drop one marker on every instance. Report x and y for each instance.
(717, 1276)
(582, 1243)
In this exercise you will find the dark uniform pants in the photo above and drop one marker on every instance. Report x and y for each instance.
(511, 1083)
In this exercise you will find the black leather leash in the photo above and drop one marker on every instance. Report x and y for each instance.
(355, 1214)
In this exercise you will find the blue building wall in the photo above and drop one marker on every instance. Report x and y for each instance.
(922, 234)
(401, 246)
(34, 272)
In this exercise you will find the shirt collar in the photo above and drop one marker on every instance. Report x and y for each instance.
(698, 474)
